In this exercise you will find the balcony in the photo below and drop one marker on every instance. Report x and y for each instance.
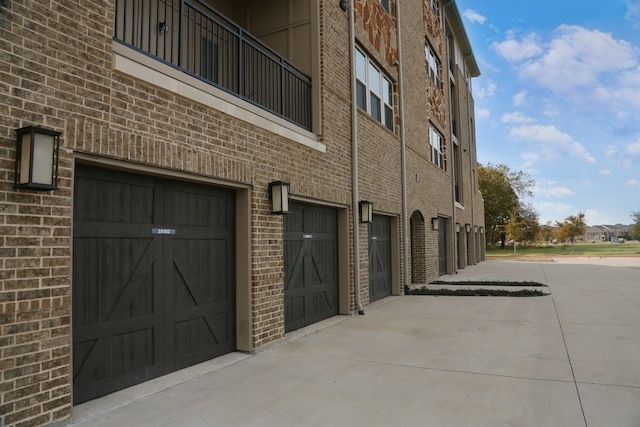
(197, 40)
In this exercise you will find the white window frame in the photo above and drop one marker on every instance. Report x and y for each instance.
(434, 66)
(435, 5)
(436, 143)
(377, 89)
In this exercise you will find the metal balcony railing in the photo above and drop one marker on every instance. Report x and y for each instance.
(192, 37)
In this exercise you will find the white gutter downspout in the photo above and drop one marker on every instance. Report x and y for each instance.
(456, 251)
(471, 169)
(403, 155)
(354, 161)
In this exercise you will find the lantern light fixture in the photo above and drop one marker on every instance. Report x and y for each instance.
(37, 153)
(279, 196)
(366, 212)
(435, 223)
(457, 227)
(481, 230)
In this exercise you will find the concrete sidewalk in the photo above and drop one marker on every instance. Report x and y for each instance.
(568, 359)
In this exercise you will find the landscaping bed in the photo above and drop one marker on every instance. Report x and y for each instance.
(480, 288)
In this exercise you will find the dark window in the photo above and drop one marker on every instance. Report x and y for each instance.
(385, 4)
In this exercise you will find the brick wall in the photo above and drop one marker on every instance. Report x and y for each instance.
(429, 188)
(56, 70)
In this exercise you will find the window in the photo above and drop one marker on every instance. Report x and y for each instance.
(457, 164)
(435, 6)
(385, 5)
(437, 147)
(433, 64)
(374, 91)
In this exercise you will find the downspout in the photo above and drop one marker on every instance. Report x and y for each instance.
(354, 161)
(472, 145)
(453, 163)
(403, 154)
(453, 199)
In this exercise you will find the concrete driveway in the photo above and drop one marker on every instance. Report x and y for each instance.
(568, 359)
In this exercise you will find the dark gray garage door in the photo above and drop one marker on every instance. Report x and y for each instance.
(311, 265)
(379, 257)
(442, 246)
(153, 278)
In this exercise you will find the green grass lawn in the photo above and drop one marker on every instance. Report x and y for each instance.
(605, 249)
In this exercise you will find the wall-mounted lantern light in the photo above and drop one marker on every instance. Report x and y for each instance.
(457, 227)
(163, 27)
(435, 223)
(344, 5)
(467, 227)
(481, 230)
(37, 151)
(279, 196)
(366, 212)
(475, 229)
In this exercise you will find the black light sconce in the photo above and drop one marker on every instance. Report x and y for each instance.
(481, 230)
(163, 27)
(467, 227)
(366, 212)
(279, 196)
(475, 229)
(435, 223)
(344, 5)
(457, 227)
(37, 151)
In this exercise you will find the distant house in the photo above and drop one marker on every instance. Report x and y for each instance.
(604, 233)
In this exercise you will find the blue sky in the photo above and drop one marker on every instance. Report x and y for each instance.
(559, 98)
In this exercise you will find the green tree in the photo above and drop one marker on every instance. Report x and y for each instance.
(529, 223)
(572, 227)
(546, 232)
(523, 225)
(503, 191)
(635, 231)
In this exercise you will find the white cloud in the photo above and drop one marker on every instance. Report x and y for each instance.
(634, 148)
(530, 159)
(474, 17)
(588, 65)
(554, 211)
(595, 217)
(515, 51)
(547, 188)
(516, 117)
(605, 172)
(578, 57)
(483, 113)
(633, 183)
(486, 90)
(520, 98)
(612, 151)
(551, 137)
(633, 13)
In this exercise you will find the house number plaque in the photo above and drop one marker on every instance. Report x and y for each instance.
(163, 231)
